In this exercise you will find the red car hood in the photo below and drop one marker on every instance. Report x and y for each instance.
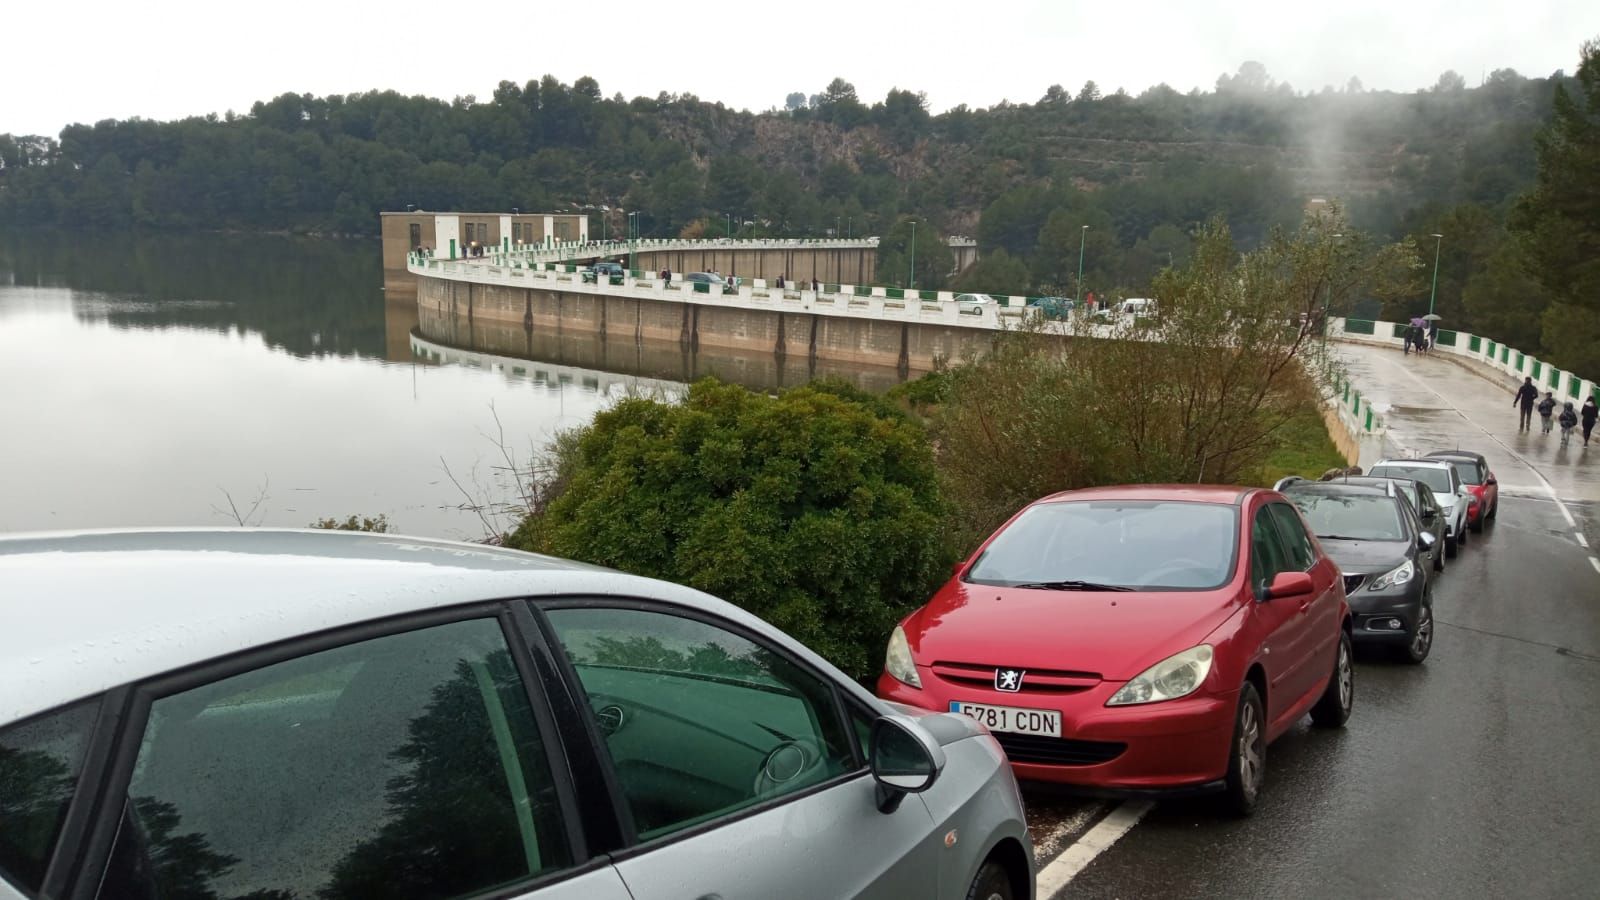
(1115, 635)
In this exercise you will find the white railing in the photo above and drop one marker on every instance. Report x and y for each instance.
(1478, 353)
(845, 300)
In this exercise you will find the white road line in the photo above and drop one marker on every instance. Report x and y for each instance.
(1073, 860)
(1581, 539)
(1595, 562)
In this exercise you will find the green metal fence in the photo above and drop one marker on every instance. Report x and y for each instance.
(1445, 338)
(1475, 344)
(1401, 330)
(1358, 326)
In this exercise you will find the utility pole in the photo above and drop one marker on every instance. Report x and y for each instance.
(913, 278)
(1082, 237)
(1438, 242)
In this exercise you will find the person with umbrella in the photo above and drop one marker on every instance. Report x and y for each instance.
(1414, 335)
(1433, 329)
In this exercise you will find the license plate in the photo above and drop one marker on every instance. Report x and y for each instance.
(1011, 718)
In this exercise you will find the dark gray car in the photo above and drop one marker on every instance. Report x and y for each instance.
(1379, 544)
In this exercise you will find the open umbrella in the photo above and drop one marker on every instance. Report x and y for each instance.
(1432, 317)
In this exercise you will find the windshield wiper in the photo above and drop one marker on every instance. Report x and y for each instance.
(1341, 537)
(1072, 585)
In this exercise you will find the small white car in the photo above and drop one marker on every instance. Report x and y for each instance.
(243, 713)
(969, 303)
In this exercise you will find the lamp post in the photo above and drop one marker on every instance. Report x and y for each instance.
(836, 228)
(849, 227)
(913, 277)
(632, 233)
(1437, 243)
(1083, 235)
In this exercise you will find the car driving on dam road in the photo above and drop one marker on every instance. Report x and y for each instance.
(1137, 640)
(337, 715)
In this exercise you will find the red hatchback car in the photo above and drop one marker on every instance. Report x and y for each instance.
(1132, 640)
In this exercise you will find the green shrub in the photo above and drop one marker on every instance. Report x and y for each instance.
(817, 509)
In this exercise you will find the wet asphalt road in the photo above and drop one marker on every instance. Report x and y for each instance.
(1476, 774)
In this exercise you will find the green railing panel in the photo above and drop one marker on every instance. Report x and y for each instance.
(1401, 330)
(1358, 326)
(863, 290)
(1446, 339)
(1538, 367)
(830, 289)
(895, 293)
(1488, 349)
(1519, 360)
(702, 287)
(1505, 354)
(1573, 385)
(1475, 344)
(1555, 377)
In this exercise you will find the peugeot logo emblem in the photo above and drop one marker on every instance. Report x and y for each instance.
(1008, 680)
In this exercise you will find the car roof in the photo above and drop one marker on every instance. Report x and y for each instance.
(1459, 454)
(1377, 487)
(1193, 493)
(1432, 463)
(85, 612)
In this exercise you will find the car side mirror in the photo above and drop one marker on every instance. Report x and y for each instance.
(1426, 539)
(905, 759)
(1289, 584)
(1429, 515)
(1491, 480)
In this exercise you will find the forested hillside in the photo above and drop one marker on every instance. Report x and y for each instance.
(1141, 171)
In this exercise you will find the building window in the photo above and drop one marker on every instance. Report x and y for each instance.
(416, 235)
(483, 232)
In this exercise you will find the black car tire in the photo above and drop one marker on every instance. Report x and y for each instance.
(1247, 754)
(1495, 509)
(1461, 536)
(992, 883)
(1451, 547)
(1438, 558)
(1477, 527)
(1419, 642)
(1339, 697)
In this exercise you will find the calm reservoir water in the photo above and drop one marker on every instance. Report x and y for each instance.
(145, 380)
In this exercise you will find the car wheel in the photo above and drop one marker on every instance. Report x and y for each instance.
(1339, 697)
(1495, 509)
(1438, 558)
(1451, 548)
(1462, 533)
(1247, 755)
(1477, 527)
(992, 883)
(1416, 650)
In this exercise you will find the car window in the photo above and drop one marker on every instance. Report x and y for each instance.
(1437, 477)
(1266, 552)
(40, 759)
(699, 722)
(1150, 545)
(1298, 553)
(1466, 470)
(1353, 517)
(406, 765)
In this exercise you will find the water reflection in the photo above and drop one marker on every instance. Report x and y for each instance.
(308, 296)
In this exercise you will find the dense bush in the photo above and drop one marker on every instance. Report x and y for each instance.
(817, 509)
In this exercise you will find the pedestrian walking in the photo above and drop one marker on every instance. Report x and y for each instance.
(1525, 397)
(816, 286)
(1411, 338)
(1591, 410)
(1547, 407)
(1433, 334)
(1569, 422)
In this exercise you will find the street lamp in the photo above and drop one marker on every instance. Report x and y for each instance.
(1437, 243)
(1083, 236)
(849, 227)
(913, 278)
(633, 229)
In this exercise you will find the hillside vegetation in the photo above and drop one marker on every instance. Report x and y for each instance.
(1141, 171)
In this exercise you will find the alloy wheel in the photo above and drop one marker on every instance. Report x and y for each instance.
(1347, 677)
(1422, 640)
(1250, 768)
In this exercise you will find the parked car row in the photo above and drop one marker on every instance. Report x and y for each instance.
(332, 714)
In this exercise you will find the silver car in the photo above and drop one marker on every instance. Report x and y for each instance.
(1449, 492)
(325, 714)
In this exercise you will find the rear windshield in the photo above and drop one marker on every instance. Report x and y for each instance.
(1466, 470)
(1145, 545)
(1437, 479)
(1352, 517)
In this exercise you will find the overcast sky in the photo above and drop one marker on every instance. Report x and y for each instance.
(95, 60)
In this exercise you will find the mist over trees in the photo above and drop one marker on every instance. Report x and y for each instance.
(1142, 171)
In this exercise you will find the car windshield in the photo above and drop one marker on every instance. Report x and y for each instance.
(1137, 544)
(1466, 469)
(1437, 479)
(1356, 517)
